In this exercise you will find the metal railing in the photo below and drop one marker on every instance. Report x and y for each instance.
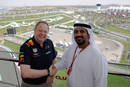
(16, 60)
(109, 72)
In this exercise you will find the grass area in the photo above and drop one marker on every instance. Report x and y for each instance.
(23, 29)
(61, 27)
(117, 30)
(12, 46)
(113, 80)
(16, 18)
(59, 79)
(118, 81)
(58, 48)
(65, 18)
(126, 48)
(2, 31)
(70, 24)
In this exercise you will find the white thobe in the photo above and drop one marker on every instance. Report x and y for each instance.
(89, 68)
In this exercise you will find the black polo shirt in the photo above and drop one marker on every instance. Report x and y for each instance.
(37, 57)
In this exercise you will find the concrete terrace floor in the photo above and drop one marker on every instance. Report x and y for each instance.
(8, 76)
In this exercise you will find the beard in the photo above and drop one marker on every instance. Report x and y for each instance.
(79, 40)
(40, 41)
(80, 43)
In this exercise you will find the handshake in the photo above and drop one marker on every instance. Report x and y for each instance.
(52, 72)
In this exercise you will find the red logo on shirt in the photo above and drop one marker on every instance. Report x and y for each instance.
(21, 59)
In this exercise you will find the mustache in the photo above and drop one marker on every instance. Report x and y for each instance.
(79, 37)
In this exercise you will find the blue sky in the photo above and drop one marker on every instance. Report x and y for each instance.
(60, 2)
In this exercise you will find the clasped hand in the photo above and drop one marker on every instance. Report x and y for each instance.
(52, 73)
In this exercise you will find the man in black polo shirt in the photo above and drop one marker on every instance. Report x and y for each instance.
(37, 55)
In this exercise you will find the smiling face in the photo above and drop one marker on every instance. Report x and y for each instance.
(40, 32)
(81, 36)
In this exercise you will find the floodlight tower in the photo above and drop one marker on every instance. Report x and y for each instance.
(98, 6)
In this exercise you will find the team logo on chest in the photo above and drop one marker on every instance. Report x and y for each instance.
(35, 53)
(35, 50)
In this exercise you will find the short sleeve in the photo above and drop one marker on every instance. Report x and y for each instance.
(25, 55)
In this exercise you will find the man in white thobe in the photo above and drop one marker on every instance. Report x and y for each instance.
(86, 65)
